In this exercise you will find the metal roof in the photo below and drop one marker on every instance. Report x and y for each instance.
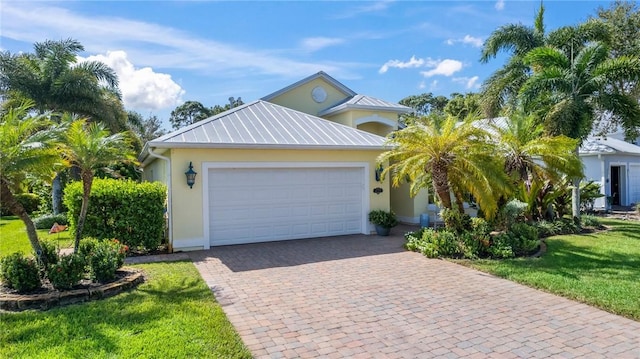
(608, 145)
(261, 124)
(323, 75)
(365, 103)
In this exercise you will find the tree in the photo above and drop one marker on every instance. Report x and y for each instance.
(530, 155)
(146, 129)
(454, 157)
(28, 145)
(89, 146)
(425, 103)
(188, 113)
(55, 81)
(576, 89)
(461, 106)
(501, 89)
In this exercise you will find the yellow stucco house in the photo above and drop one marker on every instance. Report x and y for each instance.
(298, 163)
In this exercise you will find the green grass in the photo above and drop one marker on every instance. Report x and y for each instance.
(13, 237)
(172, 315)
(601, 269)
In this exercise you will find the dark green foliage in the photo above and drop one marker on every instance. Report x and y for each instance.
(590, 221)
(523, 239)
(86, 247)
(29, 201)
(49, 253)
(501, 246)
(433, 243)
(46, 221)
(456, 221)
(383, 218)
(132, 212)
(19, 272)
(67, 272)
(105, 258)
(589, 191)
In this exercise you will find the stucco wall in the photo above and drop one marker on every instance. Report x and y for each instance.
(300, 97)
(598, 169)
(187, 204)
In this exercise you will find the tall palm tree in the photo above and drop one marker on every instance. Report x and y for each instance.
(529, 154)
(89, 146)
(450, 155)
(576, 89)
(501, 89)
(28, 145)
(54, 79)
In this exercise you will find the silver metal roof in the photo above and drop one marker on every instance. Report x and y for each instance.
(365, 103)
(323, 75)
(263, 124)
(606, 145)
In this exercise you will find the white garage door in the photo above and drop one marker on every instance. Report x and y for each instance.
(634, 184)
(249, 205)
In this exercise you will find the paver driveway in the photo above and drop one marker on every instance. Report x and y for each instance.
(365, 296)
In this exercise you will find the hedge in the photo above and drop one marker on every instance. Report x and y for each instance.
(129, 211)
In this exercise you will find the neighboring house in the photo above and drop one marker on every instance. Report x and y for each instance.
(299, 163)
(615, 165)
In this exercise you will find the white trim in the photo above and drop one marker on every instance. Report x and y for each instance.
(376, 119)
(262, 146)
(169, 195)
(189, 243)
(321, 74)
(210, 165)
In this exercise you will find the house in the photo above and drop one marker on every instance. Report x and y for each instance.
(298, 163)
(615, 165)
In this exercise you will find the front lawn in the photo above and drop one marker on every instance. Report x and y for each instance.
(172, 315)
(601, 269)
(13, 237)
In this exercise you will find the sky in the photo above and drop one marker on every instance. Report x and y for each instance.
(168, 52)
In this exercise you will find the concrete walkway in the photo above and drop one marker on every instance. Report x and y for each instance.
(366, 297)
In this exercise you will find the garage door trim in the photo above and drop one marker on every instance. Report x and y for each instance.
(206, 166)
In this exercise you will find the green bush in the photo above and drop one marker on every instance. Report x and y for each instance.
(49, 253)
(67, 272)
(501, 246)
(46, 221)
(383, 218)
(456, 221)
(434, 243)
(130, 211)
(86, 247)
(545, 228)
(105, 259)
(523, 239)
(19, 272)
(29, 201)
(512, 212)
(590, 221)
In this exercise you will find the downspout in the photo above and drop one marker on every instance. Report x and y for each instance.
(170, 217)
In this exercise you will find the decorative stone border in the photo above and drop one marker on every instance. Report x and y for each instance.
(44, 301)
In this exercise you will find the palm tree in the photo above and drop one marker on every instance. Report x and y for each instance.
(576, 89)
(89, 146)
(55, 81)
(502, 87)
(531, 155)
(455, 157)
(27, 146)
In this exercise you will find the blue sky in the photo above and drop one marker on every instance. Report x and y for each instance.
(167, 52)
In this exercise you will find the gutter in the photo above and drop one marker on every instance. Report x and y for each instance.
(170, 217)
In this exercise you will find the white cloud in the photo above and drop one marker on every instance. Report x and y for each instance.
(376, 6)
(434, 85)
(446, 67)
(312, 44)
(499, 5)
(412, 63)
(142, 88)
(467, 40)
(469, 82)
(149, 44)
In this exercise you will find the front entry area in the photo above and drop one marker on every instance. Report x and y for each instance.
(248, 205)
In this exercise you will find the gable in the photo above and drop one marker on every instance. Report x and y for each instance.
(312, 94)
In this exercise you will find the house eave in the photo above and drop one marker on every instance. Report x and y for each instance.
(344, 108)
(261, 146)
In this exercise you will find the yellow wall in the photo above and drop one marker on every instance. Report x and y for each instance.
(187, 203)
(407, 208)
(300, 97)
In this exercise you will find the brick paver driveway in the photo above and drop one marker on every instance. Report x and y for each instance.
(364, 297)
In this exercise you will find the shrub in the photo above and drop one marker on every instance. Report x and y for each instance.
(512, 212)
(29, 201)
(19, 272)
(501, 246)
(130, 211)
(523, 238)
(46, 221)
(105, 259)
(49, 252)
(456, 221)
(590, 221)
(383, 218)
(545, 228)
(67, 272)
(433, 243)
(86, 247)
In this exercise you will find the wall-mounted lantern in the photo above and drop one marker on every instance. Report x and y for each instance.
(379, 171)
(191, 175)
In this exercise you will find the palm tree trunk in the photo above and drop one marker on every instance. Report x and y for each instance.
(56, 194)
(441, 184)
(17, 209)
(87, 181)
(575, 194)
(459, 201)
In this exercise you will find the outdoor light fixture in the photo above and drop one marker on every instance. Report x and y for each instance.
(191, 175)
(379, 170)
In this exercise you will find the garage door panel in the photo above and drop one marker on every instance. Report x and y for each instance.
(634, 183)
(292, 203)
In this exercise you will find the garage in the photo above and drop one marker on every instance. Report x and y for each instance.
(634, 183)
(284, 202)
